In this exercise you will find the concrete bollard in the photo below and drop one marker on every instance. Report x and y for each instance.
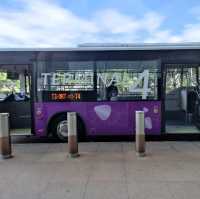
(140, 134)
(5, 139)
(72, 134)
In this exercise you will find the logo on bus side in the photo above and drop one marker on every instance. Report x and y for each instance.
(103, 111)
(147, 120)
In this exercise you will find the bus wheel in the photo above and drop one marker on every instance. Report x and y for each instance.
(60, 128)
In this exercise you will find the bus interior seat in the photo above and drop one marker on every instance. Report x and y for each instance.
(173, 105)
(188, 99)
(180, 104)
(192, 97)
(172, 101)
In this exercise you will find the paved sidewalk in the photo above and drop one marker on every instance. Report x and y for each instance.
(171, 170)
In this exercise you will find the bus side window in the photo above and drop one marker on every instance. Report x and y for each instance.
(133, 80)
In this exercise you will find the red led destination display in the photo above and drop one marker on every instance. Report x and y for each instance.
(76, 96)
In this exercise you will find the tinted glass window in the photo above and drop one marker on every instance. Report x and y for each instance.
(180, 75)
(101, 80)
(65, 76)
(127, 80)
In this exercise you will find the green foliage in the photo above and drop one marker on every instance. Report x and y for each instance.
(8, 85)
(2, 76)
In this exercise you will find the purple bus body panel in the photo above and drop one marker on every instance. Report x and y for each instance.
(103, 118)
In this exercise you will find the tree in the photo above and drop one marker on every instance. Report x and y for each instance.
(8, 85)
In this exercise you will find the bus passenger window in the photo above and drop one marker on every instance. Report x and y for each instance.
(9, 84)
(66, 76)
(127, 80)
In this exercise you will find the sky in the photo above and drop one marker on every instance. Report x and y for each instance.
(67, 23)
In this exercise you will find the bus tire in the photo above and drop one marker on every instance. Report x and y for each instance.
(60, 130)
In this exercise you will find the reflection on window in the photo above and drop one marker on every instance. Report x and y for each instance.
(71, 77)
(127, 80)
(189, 77)
(8, 86)
(173, 79)
(180, 75)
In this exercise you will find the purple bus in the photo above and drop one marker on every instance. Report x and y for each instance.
(104, 85)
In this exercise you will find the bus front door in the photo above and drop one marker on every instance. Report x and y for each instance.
(15, 97)
(181, 81)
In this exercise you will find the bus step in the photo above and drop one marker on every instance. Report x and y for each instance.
(15, 132)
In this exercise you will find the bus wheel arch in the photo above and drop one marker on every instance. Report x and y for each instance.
(60, 119)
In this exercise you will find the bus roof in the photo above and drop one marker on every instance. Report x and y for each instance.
(115, 46)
